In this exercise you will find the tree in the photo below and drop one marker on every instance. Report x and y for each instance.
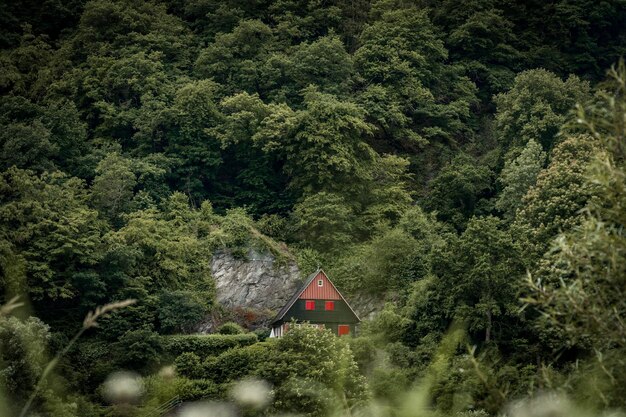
(23, 355)
(192, 146)
(457, 190)
(518, 177)
(180, 311)
(322, 145)
(536, 107)
(324, 63)
(48, 224)
(481, 271)
(561, 191)
(582, 292)
(410, 94)
(113, 187)
(485, 45)
(235, 60)
(41, 136)
(325, 222)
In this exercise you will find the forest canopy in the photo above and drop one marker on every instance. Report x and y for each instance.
(459, 162)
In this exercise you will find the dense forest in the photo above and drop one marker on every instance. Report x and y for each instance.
(464, 161)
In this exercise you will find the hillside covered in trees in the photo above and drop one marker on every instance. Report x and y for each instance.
(461, 160)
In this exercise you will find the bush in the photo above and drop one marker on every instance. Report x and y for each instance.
(22, 355)
(138, 349)
(197, 389)
(262, 333)
(206, 344)
(306, 397)
(316, 355)
(230, 328)
(189, 364)
(364, 352)
(237, 363)
(179, 311)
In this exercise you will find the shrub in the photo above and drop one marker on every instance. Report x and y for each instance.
(238, 362)
(364, 352)
(138, 349)
(230, 328)
(179, 311)
(189, 364)
(22, 355)
(316, 355)
(197, 389)
(262, 333)
(306, 397)
(206, 344)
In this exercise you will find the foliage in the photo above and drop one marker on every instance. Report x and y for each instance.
(561, 191)
(518, 176)
(306, 358)
(424, 152)
(536, 107)
(457, 190)
(23, 355)
(47, 225)
(230, 328)
(477, 269)
(583, 293)
(237, 363)
(180, 311)
(205, 345)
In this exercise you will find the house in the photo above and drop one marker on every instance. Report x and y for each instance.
(319, 303)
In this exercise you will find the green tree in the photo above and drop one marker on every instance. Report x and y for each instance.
(325, 222)
(23, 347)
(484, 42)
(322, 145)
(481, 271)
(518, 177)
(561, 191)
(113, 187)
(41, 137)
(48, 224)
(191, 145)
(236, 59)
(536, 107)
(180, 311)
(411, 95)
(458, 189)
(581, 293)
(324, 63)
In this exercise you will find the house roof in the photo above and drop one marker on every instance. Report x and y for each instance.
(304, 286)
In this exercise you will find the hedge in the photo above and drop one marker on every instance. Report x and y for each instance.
(205, 345)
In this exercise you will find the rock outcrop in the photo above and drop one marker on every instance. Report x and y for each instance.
(258, 281)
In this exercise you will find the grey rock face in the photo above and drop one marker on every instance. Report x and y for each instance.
(256, 282)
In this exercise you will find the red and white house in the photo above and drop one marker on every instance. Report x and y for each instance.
(318, 303)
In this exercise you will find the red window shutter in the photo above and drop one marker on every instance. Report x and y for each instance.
(309, 305)
(330, 306)
(343, 329)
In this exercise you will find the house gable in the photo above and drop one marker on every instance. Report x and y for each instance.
(311, 290)
(325, 291)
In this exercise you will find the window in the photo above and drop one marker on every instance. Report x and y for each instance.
(320, 283)
(330, 306)
(343, 329)
(309, 305)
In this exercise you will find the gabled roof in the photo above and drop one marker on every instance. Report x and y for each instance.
(304, 286)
